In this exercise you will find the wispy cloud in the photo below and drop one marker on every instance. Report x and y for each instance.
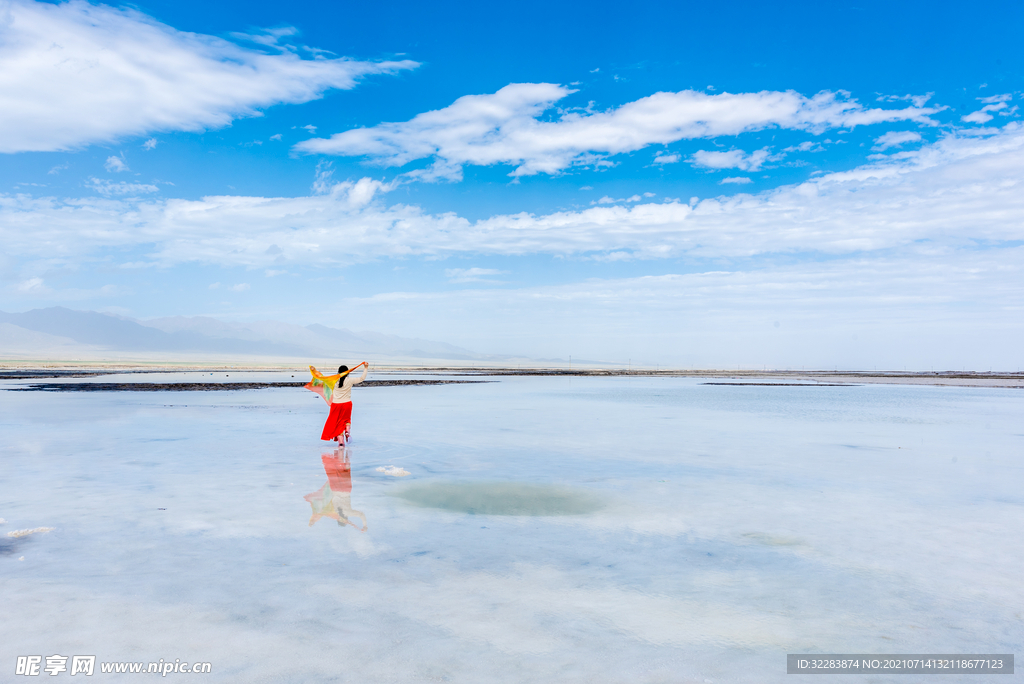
(993, 103)
(917, 100)
(805, 146)
(733, 159)
(735, 180)
(31, 285)
(77, 73)
(938, 194)
(116, 164)
(109, 188)
(995, 99)
(36, 287)
(471, 275)
(322, 180)
(150, 144)
(506, 127)
(895, 139)
(622, 200)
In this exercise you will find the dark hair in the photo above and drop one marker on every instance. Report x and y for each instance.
(342, 369)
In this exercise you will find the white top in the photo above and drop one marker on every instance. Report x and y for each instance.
(343, 390)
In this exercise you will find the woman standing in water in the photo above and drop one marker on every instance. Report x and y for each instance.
(338, 425)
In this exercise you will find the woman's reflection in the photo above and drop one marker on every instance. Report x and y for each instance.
(334, 500)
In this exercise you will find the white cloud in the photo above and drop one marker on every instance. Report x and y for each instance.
(994, 104)
(733, 159)
(310, 127)
(738, 180)
(662, 158)
(994, 99)
(471, 275)
(150, 144)
(31, 285)
(622, 200)
(505, 127)
(895, 139)
(116, 164)
(74, 73)
(805, 146)
(37, 288)
(979, 117)
(240, 287)
(276, 136)
(917, 100)
(108, 188)
(322, 180)
(958, 189)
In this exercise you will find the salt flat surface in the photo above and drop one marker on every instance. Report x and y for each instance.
(549, 529)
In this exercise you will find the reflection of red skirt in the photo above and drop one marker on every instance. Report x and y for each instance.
(340, 417)
(339, 474)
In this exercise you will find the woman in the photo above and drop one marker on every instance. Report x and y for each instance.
(339, 421)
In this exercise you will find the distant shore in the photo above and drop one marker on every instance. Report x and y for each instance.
(57, 370)
(208, 386)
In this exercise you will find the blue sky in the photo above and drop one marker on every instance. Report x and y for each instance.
(684, 184)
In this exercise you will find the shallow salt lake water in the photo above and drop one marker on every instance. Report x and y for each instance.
(548, 530)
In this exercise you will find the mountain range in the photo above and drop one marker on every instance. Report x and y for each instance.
(60, 332)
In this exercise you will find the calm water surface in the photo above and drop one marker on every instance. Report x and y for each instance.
(549, 529)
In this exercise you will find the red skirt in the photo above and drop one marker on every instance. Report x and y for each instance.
(338, 420)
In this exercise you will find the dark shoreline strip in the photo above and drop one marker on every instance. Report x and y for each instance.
(36, 375)
(208, 386)
(782, 384)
